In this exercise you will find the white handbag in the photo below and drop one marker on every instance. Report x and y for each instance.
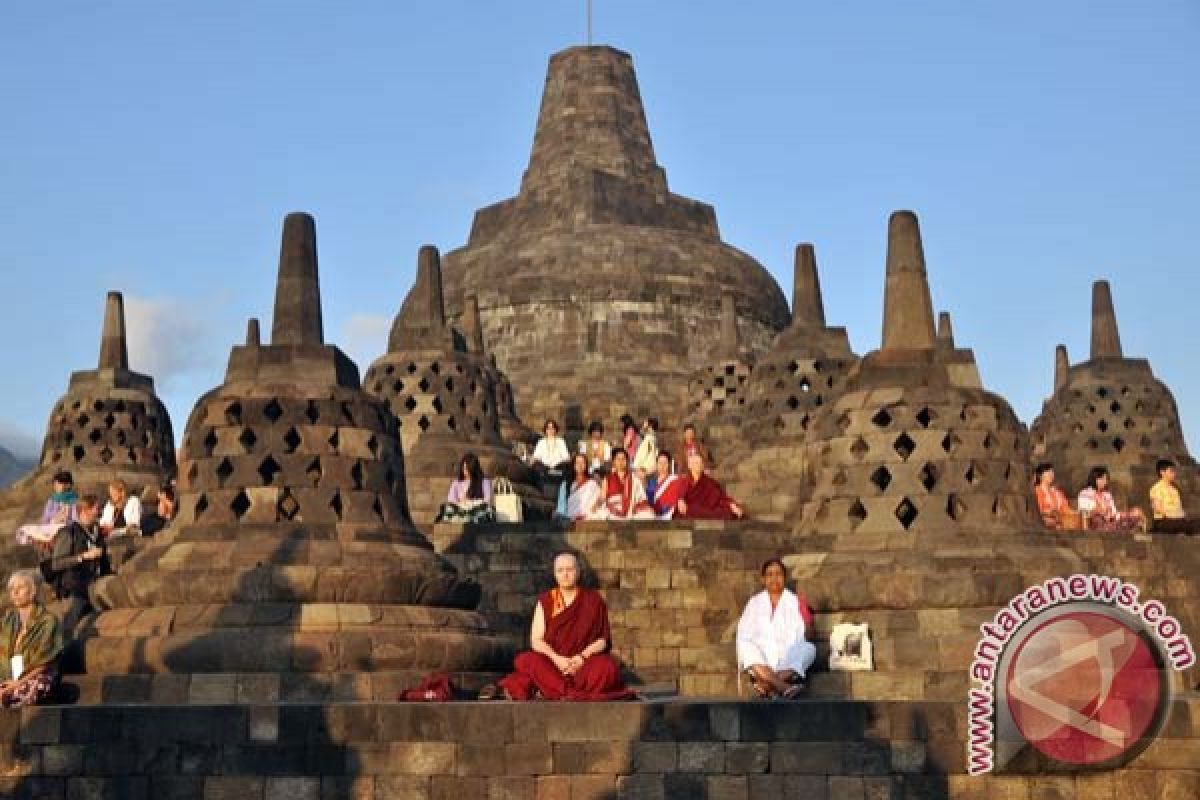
(506, 501)
(850, 648)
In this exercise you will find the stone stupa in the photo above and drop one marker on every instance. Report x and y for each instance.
(293, 551)
(443, 389)
(915, 443)
(805, 370)
(596, 263)
(1110, 411)
(110, 424)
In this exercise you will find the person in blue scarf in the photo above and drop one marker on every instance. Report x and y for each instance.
(58, 511)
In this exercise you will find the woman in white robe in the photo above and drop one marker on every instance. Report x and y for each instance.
(772, 647)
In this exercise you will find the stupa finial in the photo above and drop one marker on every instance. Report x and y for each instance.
(907, 305)
(297, 319)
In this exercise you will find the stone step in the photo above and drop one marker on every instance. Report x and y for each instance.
(254, 688)
(813, 747)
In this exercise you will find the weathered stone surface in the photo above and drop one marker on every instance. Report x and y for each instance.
(598, 257)
(293, 546)
(915, 443)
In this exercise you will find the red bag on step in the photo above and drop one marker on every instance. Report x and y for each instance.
(434, 689)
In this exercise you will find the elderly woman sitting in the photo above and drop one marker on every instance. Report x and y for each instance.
(30, 643)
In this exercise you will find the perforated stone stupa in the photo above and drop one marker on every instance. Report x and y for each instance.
(444, 391)
(109, 424)
(915, 443)
(596, 257)
(1110, 410)
(805, 369)
(293, 550)
(717, 393)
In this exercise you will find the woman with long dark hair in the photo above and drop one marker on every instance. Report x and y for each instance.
(1096, 502)
(623, 495)
(470, 495)
(577, 495)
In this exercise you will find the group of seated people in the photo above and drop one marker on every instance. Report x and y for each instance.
(31, 637)
(122, 513)
(1097, 510)
(635, 480)
(570, 639)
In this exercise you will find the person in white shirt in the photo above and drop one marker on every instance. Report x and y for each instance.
(122, 512)
(644, 460)
(551, 459)
(598, 451)
(772, 649)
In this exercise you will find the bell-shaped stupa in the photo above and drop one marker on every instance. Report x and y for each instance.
(914, 443)
(1110, 411)
(805, 370)
(293, 550)
(109, 425)
(441, 386)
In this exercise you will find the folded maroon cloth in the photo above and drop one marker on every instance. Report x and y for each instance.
(434, 689)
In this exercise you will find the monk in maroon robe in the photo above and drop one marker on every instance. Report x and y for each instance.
(570, 638)
(701, 497)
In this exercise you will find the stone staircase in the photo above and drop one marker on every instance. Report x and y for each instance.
(321, 750)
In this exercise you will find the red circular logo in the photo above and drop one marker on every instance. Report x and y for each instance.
(1085, 688)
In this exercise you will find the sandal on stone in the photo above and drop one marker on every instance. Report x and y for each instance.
(489, 692)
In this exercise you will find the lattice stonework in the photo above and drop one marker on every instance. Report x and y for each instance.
(907, 460)
(785, 395)
(1109, 422)
(718, 389)
(446, 396)
(121, 430)
(317, 460)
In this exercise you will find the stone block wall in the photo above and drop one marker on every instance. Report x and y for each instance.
(676, 590)
(826, 750)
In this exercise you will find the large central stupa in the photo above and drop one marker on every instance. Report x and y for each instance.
(598, 287)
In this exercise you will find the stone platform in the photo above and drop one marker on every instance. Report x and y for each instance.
(818, 749)
(675, 591)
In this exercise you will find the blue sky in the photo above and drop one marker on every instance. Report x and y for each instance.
(154, 147)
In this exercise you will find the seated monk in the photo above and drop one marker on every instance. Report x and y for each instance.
(30, 644)
(570, 639)
(701, 497)
(663, 487)
(623, 496)
(1052, 503)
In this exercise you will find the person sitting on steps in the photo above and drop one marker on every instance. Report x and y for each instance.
(1165, 503)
